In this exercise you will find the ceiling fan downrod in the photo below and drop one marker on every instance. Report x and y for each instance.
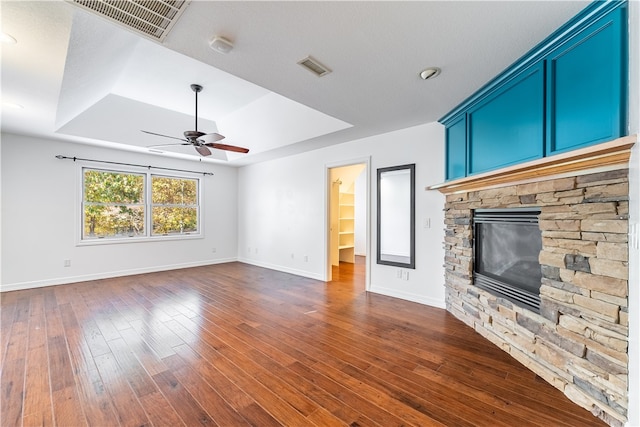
(196, 88)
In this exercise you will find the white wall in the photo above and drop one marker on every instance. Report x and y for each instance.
(1, 211)
(40, 211)
(283, 207)
(634, 216)
(634, 287)
(360, 200)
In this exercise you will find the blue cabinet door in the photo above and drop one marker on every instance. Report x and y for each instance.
(456, 148)
(586, 85)
(568, 92)
(508, 126)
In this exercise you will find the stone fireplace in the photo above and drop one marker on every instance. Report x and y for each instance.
(578, 340)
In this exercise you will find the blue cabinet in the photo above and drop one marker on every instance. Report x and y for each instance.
(568, 92)
(508, 126)
(586, 86)
(456, 148)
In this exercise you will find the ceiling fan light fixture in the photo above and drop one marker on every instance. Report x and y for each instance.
(199, 140)
(221, 45)
(430, 73)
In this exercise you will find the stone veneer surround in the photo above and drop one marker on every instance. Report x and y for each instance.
(579, 340)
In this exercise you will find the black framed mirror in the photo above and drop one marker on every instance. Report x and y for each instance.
(396, 216)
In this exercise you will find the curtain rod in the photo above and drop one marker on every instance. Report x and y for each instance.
(60, 156)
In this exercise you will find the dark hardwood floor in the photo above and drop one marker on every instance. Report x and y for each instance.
(235, 345)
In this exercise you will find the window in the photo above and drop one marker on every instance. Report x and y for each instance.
(113, 204)
(118, 205)
(174, 205)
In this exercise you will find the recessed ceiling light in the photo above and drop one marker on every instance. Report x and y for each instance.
(12, 105)
(8, 39)
(429, 73)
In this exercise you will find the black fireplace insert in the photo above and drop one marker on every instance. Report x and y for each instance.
(507, 243)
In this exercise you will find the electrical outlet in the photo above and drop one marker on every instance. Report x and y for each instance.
(306, 258)
(292, 256)
(67, 263)
(214, 250)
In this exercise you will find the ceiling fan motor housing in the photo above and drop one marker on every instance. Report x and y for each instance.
(192, 135)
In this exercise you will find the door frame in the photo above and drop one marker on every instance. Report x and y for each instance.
(327, 215)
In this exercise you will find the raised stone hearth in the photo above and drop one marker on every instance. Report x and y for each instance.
(579, 340)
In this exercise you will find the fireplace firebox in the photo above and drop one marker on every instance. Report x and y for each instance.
(507, 243)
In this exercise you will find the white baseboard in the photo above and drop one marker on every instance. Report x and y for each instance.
(107, 275)
(432, 302)
(289, 270)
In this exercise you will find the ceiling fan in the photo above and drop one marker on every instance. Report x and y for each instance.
(201, 141)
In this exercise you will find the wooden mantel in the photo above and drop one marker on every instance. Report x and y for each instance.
(606, 156)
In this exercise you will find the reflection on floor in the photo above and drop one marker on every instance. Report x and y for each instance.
(350, 274)
(239, 345)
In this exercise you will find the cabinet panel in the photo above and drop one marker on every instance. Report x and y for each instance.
(456, 149)
(568, 92)
(508, 126)
(585, 89)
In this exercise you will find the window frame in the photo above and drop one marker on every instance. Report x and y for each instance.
(151, 204)
(148, 235)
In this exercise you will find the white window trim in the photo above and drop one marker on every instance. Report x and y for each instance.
(148, 236)
(150, 204)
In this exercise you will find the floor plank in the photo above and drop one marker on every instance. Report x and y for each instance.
(37, 402)
(239, 345)
(12, 377)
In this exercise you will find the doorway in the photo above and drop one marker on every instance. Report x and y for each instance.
(348, 222)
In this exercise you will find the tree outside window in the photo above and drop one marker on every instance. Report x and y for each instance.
(113, 204)
(174, 205)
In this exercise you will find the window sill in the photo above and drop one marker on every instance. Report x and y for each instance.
(124, 240)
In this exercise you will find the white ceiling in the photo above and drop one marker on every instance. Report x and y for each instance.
(80, 77)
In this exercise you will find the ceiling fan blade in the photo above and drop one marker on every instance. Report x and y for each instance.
(210, 137)
(228, 147)
(164, 136)
(204, 151)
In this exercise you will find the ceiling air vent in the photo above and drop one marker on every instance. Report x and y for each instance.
(151, 18)
(314, 66)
